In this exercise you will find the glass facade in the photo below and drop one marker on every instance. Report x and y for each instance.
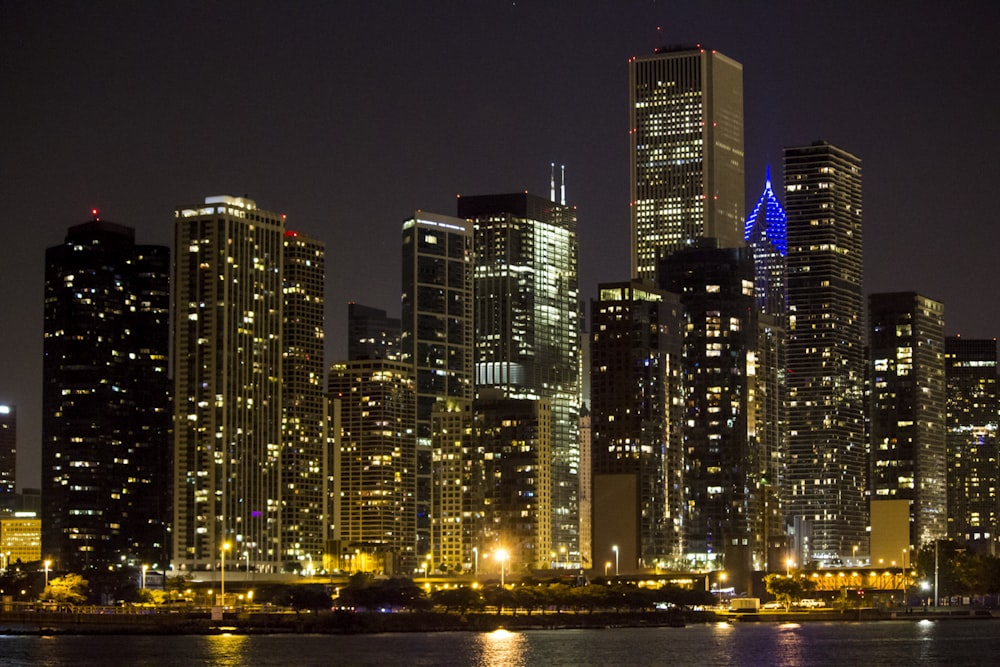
(528, 327)
(685, 152)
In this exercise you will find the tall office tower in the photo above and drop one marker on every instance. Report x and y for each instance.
(437, 330)
(685, 153)
(371, 333)
(973, 461)
(228, 324)
(636, 438)
(304, 451)
(375, 466)
(528, 326)
(106, 399)
(456, 487)
(907, 413)
(724, 495)
(8, 453)
(765, 233)
(514, 439)
(825, 488)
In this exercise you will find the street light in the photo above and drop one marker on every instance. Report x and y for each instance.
(607, 566)
(855, 554)
(501, 555)
(225, 548)
(475, 554)
(614, 547)
(47, 564)
(144, 568)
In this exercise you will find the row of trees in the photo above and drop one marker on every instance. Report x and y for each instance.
(528, 596)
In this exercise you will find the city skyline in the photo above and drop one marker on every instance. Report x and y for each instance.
(108, 108)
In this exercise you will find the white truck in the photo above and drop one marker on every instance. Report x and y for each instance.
(744, 605)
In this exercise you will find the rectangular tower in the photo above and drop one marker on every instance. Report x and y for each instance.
(8, 454)
(528, 327)
(106, 399)
(304, 444)
(973, 460)
(437, 331)
(228, 372)
(907, 413)
(636, 439)
(376, 466)
(371, 333)
(825, 353)
(685, 153)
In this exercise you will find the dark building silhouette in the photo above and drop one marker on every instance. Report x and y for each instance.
(636, 438)
(106, 400)
(724, 498)
(973, 460)
(8, 453)
(371, 333)
(907, 412)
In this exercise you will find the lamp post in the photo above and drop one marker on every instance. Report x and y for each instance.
(607, 566)
(501, 556)
(854, 551)
(225, 548)
(47, 564)
(475, 555)
(144, 568)
(614, 547)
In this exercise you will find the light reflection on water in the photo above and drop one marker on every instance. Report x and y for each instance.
(501, 648)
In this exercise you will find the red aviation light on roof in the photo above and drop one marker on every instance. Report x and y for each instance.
(289, 232)
(94, 212)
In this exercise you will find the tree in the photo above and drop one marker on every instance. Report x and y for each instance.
(67, 589)
(788, 589)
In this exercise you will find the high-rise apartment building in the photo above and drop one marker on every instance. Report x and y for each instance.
(437, 334)
(106, 399)
(907, 412)
(685, 153)
(724, 520)
(374, 406)
(228, 374)
(513, 438)
(8, 453)
(371, 333)
(825, 486)
(973, 460)
(636, 439)
(527, 321)
(304, 449)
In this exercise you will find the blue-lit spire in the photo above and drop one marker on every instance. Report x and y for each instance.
(768, 221)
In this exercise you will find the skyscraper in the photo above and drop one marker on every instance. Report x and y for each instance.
(371, 333)
(825, 487)
(636, 411)
(304, 448)
(685, 152)
(228, 325)
(8, 453)
(106, 399)
(527, 322)
(973, 461)
(766, 234)
(907, 413)
(723, 525)
(437, 331)
(375, 466)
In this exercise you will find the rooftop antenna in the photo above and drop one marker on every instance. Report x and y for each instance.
(562, 186)
(552, 181)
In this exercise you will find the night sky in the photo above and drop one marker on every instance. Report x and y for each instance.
(348, 116)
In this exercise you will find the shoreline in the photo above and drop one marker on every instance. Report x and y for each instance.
(343, 623)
